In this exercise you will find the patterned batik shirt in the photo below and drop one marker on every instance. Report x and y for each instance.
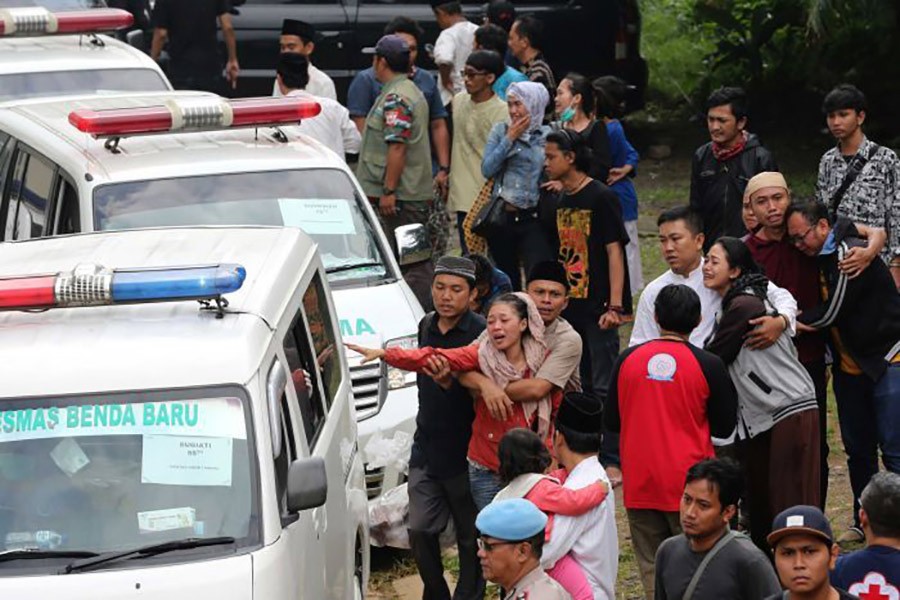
(873, 199)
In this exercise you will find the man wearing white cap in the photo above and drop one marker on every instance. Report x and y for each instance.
(510, 547)
(769, 198)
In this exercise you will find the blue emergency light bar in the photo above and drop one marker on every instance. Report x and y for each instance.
(93, 285)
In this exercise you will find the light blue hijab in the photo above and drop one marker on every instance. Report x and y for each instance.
(535, 98)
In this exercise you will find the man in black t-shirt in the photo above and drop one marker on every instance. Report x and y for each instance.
(438, 470)
(592, 241)
(189, 27)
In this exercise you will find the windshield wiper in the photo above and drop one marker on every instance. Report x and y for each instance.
(145, 551)
(352, 266)
(19, 553)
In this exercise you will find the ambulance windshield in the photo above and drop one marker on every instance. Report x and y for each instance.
(95, 474)
(322, 202)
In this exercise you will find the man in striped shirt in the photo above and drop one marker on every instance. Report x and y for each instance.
(525, 44)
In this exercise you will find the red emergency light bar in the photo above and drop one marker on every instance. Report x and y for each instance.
(194, 114)
(37, 21)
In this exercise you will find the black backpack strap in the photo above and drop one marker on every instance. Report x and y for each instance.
(853, 170)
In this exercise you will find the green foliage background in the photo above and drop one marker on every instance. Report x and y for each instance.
(786, 53)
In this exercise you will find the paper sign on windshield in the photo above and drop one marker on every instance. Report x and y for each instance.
(215, 417)
(154, 521)
(318, 217)
(186, 460)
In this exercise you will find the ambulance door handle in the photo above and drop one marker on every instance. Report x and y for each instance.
(320, 521)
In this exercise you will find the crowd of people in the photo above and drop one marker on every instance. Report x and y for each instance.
(713, 420)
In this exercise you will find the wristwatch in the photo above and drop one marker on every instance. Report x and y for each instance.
(443, 169)
(388, 191)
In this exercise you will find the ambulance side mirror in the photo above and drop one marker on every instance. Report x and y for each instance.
(307, 485)
(413, 244)
(136, 39)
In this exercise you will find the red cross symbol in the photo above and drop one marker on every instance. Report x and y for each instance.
(874, 587)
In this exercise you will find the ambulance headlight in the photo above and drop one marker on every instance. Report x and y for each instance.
(398, 378)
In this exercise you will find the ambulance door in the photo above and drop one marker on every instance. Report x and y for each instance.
(328, 427)
(303, 573)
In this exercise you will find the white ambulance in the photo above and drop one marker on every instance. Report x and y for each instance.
(176, 420)
(189, 158)
(47, 53)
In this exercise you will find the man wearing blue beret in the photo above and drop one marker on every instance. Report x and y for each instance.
(512, 538)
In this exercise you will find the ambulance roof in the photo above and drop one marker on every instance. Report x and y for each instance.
(157, 345)
(151, 157)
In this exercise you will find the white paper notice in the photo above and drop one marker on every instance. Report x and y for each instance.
(152, 521)
(318, 217)
(186, 460)
(69, 456)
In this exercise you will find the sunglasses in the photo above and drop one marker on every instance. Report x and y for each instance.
(491, 546)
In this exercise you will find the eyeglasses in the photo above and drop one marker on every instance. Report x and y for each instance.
(471, 73)
(491, 546)
(797, 239)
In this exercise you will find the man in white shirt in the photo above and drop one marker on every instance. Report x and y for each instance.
(452, 47)
(681, 240)
(332, 127)
(298, 37)
(589, 538)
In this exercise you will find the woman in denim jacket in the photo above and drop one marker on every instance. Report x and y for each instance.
(514, 158)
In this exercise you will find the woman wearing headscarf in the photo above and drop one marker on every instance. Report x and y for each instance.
(510, 349)
(514, 158)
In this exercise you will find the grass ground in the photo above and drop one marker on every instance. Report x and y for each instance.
(663, 184)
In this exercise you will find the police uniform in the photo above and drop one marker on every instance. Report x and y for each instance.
(513, 520)
(537, 585)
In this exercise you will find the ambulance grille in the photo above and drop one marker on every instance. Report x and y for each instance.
(369, 389)
(374, 482)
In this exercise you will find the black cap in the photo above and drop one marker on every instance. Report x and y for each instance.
(549, 270)
(293, 65)
(580, 412)
(801, 519)
(456, 265)
(502, 13)
(389, 45)
(301, 29)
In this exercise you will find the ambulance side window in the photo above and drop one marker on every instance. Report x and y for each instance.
(315, 305)
(13, 191)
(305, 377)
(66, 219)
(34, 179)
(7, 145)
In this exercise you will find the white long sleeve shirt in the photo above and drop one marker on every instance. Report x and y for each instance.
(332, 126)
(591, 538)
(646, 329)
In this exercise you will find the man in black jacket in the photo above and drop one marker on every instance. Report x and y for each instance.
(863, 314)
(722, 167)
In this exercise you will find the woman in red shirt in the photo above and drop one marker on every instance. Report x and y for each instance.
(511, 348)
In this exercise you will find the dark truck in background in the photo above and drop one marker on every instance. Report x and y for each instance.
(592, 37)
